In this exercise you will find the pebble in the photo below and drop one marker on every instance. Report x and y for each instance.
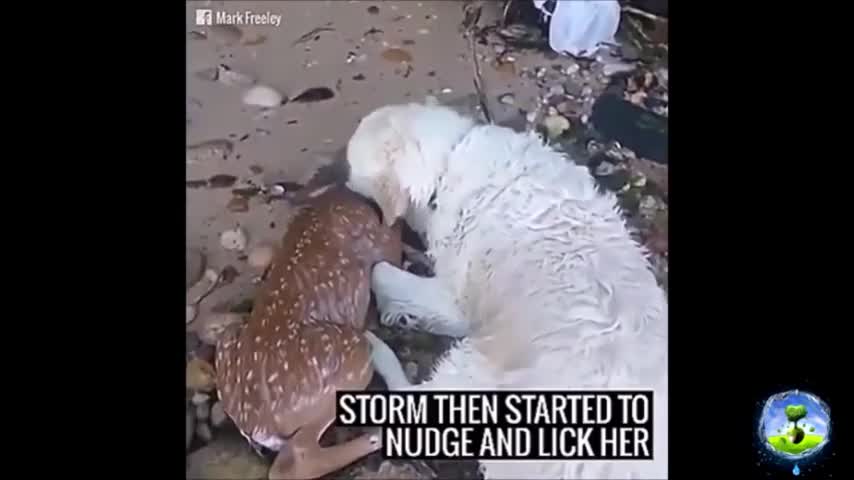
(203, 431)
(640, 181)
(556, 125)
(233, 239)
(260, 257)
(604, 169)
(572, 69)
(203, 411)
(397, 55)
(218, 149)
(218, 416)
(648, 204)
(507, 99)
(571, 87)
(211, 326)
(570, 108)
(263, 96)
(200, 376)
(238, 204)
(232, 78)
(200, 398)
(556, 90)
(229, 456)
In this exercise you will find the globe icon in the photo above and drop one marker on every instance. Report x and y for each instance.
(795, 425)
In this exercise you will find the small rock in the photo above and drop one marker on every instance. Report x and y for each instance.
(374, 10)
(640, 181)
(191, 425)
(203, 411)
(507, 99)
(556, 125)
(195, 266)
(397, 55)
(648, 205)
(218, 416)
(211, 326)
(587, 91)
(261, 256)
(411, 370)
(201, 376)
(218, 149)
(233, 239)
(232, 78)
(263, 96)
(203, 431)
(531, 116)
(573, 88)
(238, 204)
(200, 398)
(615, 68)
(228, 457)
(252, 39)
(447, 90)
(572, 69)
(541, 72)
(556, 90)
(221, 181)
(604, 169)
(570, 108)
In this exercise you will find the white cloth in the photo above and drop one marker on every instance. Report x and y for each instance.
(580, 27)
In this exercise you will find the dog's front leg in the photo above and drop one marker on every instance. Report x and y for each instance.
(410, 301)
(386, 364)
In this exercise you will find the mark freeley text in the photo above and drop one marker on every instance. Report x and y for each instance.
(245, 17)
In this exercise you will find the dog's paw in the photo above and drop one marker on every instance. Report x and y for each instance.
(396, 318)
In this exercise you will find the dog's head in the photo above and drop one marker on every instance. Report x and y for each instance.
(398, 153)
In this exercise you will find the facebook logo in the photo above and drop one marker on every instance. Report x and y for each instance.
(204, 17)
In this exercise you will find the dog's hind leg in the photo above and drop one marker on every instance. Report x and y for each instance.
(420, 303)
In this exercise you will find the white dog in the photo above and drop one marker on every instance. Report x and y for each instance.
(534, 268)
